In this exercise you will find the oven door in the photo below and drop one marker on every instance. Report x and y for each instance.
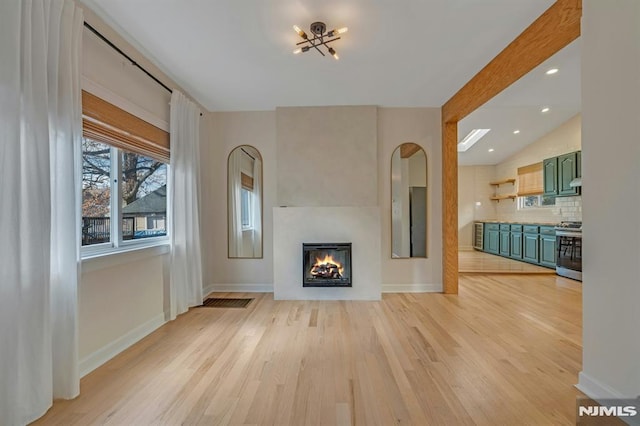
(569, 258)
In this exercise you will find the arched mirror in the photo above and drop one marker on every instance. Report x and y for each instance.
(244, 201)
(408, 201)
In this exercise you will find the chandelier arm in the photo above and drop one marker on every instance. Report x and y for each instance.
(316, 47)
(317, 38)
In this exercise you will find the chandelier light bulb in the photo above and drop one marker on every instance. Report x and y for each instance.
(342, 30)
(333, 53)
(300, 32)
(298, 50)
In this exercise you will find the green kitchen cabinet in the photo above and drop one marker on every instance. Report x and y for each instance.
(567, 171)
(548, 246)
(516, 242)
(505, 243)
(550, 176)
(492, 238)
(558, 172)
(530, 248)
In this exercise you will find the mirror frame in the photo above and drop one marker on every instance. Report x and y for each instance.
(261, 202)
(416, 147)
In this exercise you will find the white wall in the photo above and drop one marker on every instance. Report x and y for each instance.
(393, 127)
(327, 156)
(611, 194)
(121, 299)
(420, 126)
(106, 72)
(474, 204)
(228, 130)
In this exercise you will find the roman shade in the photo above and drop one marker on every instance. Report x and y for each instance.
(247, 182)
(105, 122)
(530, 180)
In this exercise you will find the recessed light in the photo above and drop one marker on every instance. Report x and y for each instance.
(545, 109)
(491, 149)
(515, 132)
(552, 71)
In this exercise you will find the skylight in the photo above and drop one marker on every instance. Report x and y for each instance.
(474, 136)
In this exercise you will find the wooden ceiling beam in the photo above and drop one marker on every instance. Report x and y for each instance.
(554, 29)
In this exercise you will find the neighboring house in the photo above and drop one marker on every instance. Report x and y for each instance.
(147, 216)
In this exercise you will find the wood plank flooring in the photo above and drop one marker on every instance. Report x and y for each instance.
(506, 350)
(472, 261)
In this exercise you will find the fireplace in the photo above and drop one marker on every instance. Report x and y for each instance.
(326, 265)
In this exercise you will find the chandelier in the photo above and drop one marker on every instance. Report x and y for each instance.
(320, 37)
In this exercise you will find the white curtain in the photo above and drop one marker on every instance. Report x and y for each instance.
(186, 262)
(257, 207)
(40, 130)
(235, 203)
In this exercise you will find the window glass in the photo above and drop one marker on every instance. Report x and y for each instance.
(246, 197)
(96, 192)
(143, 194)
(534, 201)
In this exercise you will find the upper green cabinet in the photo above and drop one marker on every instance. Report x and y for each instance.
(558, 172)
(567, 171)
(550, 176)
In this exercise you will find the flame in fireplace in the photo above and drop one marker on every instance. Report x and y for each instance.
(322, 267)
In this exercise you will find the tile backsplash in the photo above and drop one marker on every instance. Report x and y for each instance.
(569, 208)
(566, 209)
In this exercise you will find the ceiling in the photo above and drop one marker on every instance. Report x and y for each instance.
(237, 55)
(519, 107)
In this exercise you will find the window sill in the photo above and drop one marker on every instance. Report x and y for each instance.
(120, 256)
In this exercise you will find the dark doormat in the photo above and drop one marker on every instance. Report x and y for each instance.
(215, 302)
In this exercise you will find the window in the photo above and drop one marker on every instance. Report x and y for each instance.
(535, 201)
(530, 188)
(246, 207)
(124, 179)
(96, 192)
(141, 191)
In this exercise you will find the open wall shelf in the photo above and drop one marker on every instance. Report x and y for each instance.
(512, 181)
(497, 197)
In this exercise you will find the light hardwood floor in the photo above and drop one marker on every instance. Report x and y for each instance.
(506, 350)
(472, 261)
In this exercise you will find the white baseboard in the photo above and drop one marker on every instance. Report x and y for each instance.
(104, 354)
(594, 389)
(411, 288)
(238, 288)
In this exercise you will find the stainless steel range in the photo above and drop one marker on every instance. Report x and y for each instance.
(569, 250)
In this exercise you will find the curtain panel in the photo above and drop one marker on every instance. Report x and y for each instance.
(40, 129)
(184, 189)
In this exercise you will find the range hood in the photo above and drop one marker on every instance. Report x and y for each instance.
(576, 182)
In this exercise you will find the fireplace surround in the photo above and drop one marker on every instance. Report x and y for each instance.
(326, 265)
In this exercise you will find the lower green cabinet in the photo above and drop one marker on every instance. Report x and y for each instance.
(505, 243)
(530, 250)
(547, 246)
(492, 238)
(516, 245)
(526, 242)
